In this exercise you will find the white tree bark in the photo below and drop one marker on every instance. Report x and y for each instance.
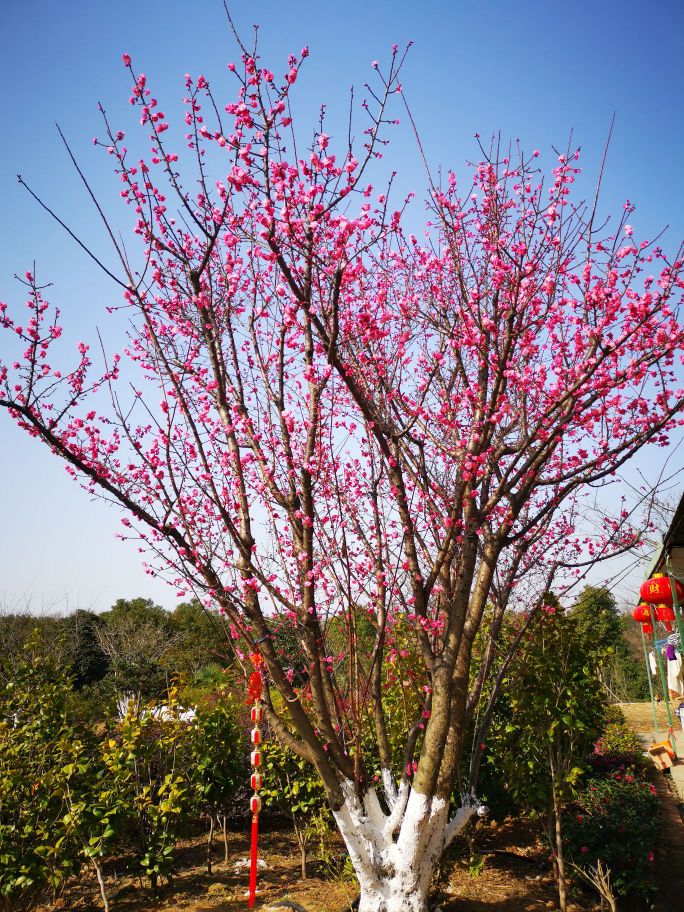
(395, 855)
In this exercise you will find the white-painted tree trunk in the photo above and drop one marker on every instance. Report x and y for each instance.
(395, 855)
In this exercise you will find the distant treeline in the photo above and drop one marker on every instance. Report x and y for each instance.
(134, 648)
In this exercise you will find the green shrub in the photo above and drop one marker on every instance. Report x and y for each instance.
(39, 750)
(218, 765)
(619, 750)
(549, 716)
(292, 786)
(72, 794)
(618, 738)
(147, 764)
(615, 819)
(613, 713)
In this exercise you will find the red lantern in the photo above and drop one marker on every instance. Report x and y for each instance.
(257, 713)
(255, 781)
(255, 758)
(255, 736)
(664, 612)
(255, 804)
(658, 590)
(647, 629)
(642, 613)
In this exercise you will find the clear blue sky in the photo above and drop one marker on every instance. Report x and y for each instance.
(532, 69)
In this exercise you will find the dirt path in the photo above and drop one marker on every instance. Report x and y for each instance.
(670, 853)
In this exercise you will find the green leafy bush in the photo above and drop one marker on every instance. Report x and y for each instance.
(39, 750)
(292, 786)
(550, 715)
(73, 794)
(617, 738)
(218, 767)
(615, 819)
(147, 762)
(619, 750)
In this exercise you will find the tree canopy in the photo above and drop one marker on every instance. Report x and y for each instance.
(330, 415)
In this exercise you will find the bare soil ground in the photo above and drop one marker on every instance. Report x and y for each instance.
(514, 876)
(225, 890)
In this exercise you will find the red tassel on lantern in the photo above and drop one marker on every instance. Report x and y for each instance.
(255, 685)
(253, 860)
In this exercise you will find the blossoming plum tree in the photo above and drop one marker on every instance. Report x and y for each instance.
(332, 418)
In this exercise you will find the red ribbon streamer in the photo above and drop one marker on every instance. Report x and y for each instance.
(253, 865)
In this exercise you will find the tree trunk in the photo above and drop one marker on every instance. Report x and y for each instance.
(210, 842)
(395, 895)
(100, 880)
(302, 842)
(560, 855)
(302, 848)
(558, 835)
(395, 855)
(224, 822)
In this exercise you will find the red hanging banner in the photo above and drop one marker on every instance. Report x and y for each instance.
(255, 690)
